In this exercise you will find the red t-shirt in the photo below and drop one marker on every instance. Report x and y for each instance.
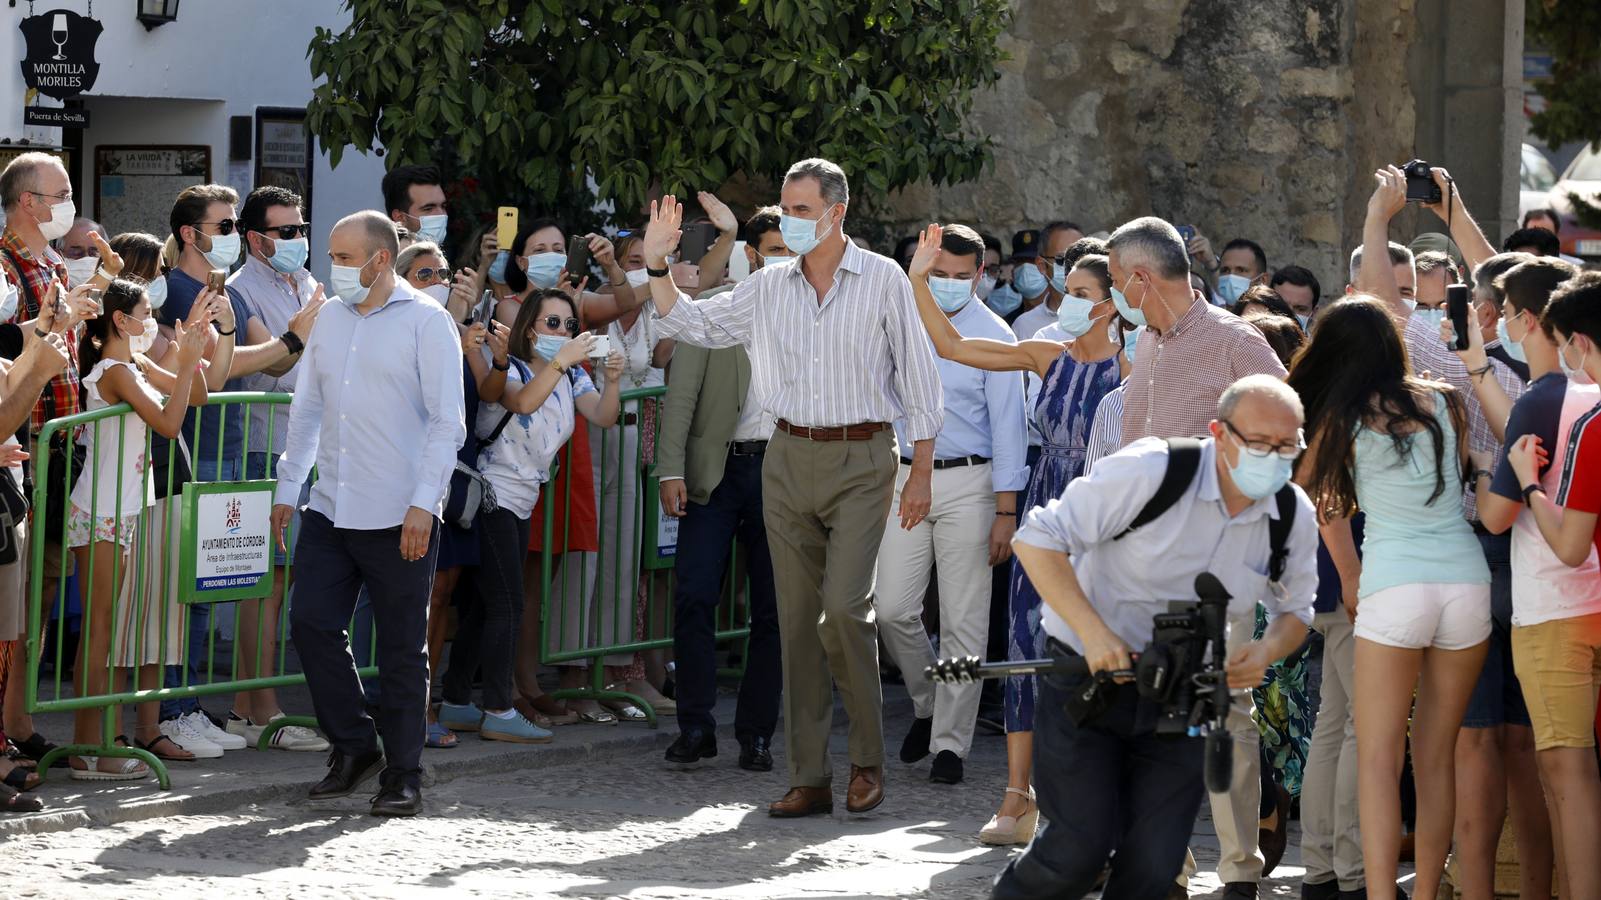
(1580, 487)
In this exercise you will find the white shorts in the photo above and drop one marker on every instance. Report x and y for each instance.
(1414, 616)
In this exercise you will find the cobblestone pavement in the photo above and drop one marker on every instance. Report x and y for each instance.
(618, 825)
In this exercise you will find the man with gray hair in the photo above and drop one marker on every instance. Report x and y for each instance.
(1190, 353)
(378, 409)
(1116, 789)
(837, 355)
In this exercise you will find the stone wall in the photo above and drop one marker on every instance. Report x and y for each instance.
(1253, 118)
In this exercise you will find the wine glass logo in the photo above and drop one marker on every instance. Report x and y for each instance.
(58, 35)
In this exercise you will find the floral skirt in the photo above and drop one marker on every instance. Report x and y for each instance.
(83, 528)
(1283, 716)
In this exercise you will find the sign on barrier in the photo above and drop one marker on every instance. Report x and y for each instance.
(227, 541)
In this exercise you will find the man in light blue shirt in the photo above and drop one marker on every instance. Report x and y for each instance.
(1111, 786)
(378, 410)
(979, 469)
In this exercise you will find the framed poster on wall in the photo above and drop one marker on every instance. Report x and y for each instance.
(283, 151)
(135, 185)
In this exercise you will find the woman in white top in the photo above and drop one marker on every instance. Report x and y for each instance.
(114, 488)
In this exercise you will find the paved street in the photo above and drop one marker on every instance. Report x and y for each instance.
(594, 815)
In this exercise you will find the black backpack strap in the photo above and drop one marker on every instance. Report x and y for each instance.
(506, 419)
(1183, 461)
(1278, 533)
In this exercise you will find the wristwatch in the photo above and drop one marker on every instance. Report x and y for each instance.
(292, 341)
(1527, 491)
(500, 367)
(655, 273)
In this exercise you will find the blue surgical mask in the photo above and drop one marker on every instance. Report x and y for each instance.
(346, 282)
(287, 256)
(951, 293)
(1131, 340)
(544, 268)
(1430, 317)
(1058, 278)
(1030, 283)
(548, 345)
(156, 290)
(1514, 349)
(8, 300)
(1410, 303)
(800, 235)
(1231, 287)
(769, 261)
(224, 250)
(1073, 316)
(1130, 315)
(1260, 477)
(1306, 322)
(432, 228)
(1004, 300)
(497, 269)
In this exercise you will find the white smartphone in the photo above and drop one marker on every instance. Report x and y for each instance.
(602, 346)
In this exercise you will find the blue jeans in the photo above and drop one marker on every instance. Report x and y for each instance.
(199, 613)
(1498, 696)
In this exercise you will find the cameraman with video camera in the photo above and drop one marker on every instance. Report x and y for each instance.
(1119, 777)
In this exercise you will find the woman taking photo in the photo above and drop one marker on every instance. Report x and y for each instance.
(1076, 375)
(1395, 446)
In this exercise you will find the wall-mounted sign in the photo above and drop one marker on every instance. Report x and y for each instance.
(55, 117)
(60, 58)
(283, 151)
(135, 186)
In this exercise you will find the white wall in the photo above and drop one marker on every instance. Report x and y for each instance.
(180, 82)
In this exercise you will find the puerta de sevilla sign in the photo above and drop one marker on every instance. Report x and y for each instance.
(60, 58)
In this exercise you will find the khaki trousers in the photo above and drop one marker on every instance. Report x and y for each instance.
(824, 504)
(1331, 844)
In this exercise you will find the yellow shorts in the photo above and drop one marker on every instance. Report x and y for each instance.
(1559, 666)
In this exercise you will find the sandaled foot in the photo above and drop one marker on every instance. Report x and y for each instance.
(11, 801)
(166, 749)
(545, 711)
(590, 712)
(439, 737)
(97, 768)
(18, 778)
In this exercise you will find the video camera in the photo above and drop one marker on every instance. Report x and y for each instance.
(1182, 670)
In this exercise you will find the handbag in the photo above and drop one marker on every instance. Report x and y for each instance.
(13, 512)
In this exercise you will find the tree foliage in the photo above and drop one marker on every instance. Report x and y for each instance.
(1571, 31)
(539, 96)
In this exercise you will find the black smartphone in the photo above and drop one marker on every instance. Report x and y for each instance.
(1187, 234)
(1456, 306)
(698, 237)
(578, 260)
(484, 311)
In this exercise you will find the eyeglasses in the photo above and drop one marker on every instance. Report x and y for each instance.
(63, 196)
(1262, 449)
(224, 226)
(285, 232)
(433, 274)
(554, 322)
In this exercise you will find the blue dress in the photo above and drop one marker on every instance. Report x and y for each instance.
(1064, 412)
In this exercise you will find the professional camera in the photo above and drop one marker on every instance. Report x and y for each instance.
(1420, 186)
(1182, 670)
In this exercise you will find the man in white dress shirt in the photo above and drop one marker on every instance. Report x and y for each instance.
(378, 410)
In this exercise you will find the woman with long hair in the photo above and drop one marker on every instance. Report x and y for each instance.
(1076, 373)
(1395, 446)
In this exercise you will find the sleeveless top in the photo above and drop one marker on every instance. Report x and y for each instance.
(1409, 538)
(116, 448)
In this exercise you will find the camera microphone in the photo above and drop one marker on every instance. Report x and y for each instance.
(1219, 761)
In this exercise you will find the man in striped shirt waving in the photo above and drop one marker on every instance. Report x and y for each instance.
(837, 355)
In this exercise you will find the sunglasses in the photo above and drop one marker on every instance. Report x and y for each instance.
(554, 322)
(224, 226)
(286, 232)
(433, 274)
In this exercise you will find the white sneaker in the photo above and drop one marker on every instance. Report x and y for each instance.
(212, 733)
(180, 732)
(289, 737)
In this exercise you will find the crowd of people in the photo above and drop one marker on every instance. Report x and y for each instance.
(935, 453)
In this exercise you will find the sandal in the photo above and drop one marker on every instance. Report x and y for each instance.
(176, 754)
(440, 737)
(34, 746)
(596, 715)
(11, 801)
(20, 779)
(128, 770)
(624, 709)
(544, 711)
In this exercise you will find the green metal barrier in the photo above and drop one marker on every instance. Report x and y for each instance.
(122, 625)
(616, 601)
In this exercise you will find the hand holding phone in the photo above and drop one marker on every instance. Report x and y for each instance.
(602, 346)
(217, 280)
(1456, 307)
(578, 261)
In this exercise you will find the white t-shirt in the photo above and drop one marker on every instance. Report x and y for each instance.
(1545, 588)
(518, 462)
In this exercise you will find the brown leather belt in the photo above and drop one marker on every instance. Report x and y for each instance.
(861, 432)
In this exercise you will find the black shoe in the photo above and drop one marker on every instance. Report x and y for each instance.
(947, 768)
(346, 773)
(1328, 890)
(756, 755)
(691, 747)
(1239, 890)
(397, 799)
(915, 747)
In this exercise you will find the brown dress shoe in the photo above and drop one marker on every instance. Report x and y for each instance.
(866, 790)
(803, 801)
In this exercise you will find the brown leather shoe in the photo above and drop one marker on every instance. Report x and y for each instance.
(803, 801)
(866, 790)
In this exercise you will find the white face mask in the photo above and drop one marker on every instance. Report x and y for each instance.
(637, 277)
(440, 293)
(8, 299)
(60, 222)
(156, 290)
(81, 270)
(142, 341)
